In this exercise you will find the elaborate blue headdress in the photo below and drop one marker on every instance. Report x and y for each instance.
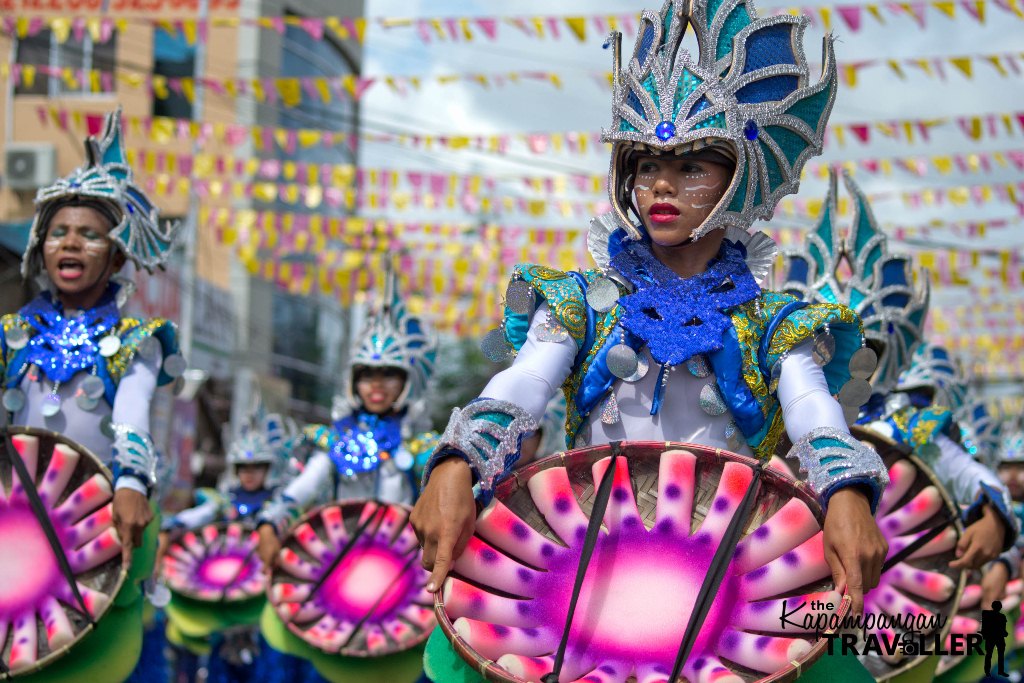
(932, 368)
(105, 178)
(980, 430)
(1013, 443)
(749, 92)
(394, 339)
(880, 287)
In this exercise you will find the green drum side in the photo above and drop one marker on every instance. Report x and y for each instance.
(197, 619)
(404, 667)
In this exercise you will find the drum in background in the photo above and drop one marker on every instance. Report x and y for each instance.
(348, 581)
(40, 619)
(505, 605)
(217, 563)
(922, 585)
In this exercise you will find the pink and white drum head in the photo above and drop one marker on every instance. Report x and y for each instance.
(923, 585)
(39, 617)
(217, 563)
(373, 601)
(505, 605)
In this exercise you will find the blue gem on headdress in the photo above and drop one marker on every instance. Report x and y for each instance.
(750, 130)
(131, 209)
(666, 130)
(892, 329)
(76, 184)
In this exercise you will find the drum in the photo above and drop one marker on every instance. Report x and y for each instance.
(217, 563)
(671, 506)
(348, 581)
(922, 585)
(41, 618)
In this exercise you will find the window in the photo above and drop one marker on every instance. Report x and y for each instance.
(50, 57)
(173, 57)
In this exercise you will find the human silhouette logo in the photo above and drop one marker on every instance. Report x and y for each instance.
(993, 630)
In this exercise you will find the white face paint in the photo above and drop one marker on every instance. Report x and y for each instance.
(674, 195)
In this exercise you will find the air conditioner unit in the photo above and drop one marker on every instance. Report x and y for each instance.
(30, 165)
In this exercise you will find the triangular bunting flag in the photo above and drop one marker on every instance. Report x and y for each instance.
(850, 15)
(976, 8)
(578, 26)
(963, 64)
(947, 7)
(875, 12)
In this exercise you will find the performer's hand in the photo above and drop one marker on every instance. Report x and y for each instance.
(163, 541)
(993, 584)
(131, 516)
(269, 546)
(854, 547)
(444, 518)
(981, 543)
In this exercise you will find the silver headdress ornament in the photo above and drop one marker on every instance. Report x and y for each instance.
(932, 367)
(1012, 450)
(394, 339)
(880, 287)
(263, 438)
(106, 178)
(980, 430)
(749, 93)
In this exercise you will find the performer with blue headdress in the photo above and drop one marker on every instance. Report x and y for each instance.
(672, 338)
(72, 363)
(902, 398)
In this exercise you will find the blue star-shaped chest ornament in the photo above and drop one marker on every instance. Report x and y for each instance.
(679, 318)
(363, 440)
(64, 346)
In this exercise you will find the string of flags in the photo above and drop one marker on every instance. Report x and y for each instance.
(162, 130)
(852, 17)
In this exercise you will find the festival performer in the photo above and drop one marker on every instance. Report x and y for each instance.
(371, 452)
(672, 338)
(73, 364)
(222, 636)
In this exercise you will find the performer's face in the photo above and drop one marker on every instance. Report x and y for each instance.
(252, 477)
(79, 256)
(379, 388)
(1012, 475)
(675, 194)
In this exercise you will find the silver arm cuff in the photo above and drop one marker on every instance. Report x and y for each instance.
(487, 434)
(833, 459)
(134, 454)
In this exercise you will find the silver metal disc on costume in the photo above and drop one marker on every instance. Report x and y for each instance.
(16, 338)
(109, 345)
(698, 366)
(107, 427)
(851, 413)
(552, 331)
(92, 387)
(863, 363)
(732, 435)
(824, 348)
(855, 393)
(711, 401)
(86, 403)
(583, 436)
(602, 295)
(622, 361)
(148, 346)
(519, 297)
(642, 366)
(178, 386)
(14, 400)
(494, 346)
(51, 405)
(159, 595)
(403, 460)
(175, 365)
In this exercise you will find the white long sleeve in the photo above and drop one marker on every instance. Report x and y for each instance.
(537, 372)
(197, 516)
(804, 396)
(134, 398)
(303, 489)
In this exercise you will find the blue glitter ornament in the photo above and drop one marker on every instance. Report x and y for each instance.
(666, 130)
(61, 346)
(750, 130)
(360, 439)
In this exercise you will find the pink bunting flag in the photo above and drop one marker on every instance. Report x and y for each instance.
(861, 131)
(423, 30)
(93, 124)
(489, 26)
(78, 29)
(452, 25)
(314, 27)
(850, 15)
